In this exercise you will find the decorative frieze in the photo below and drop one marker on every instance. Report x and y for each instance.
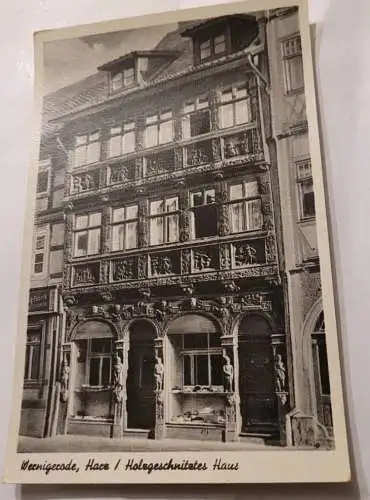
(199, 153)
(85, 182)
(124, 269)
(159, 163)
(164, 264)
(86, 274)
(249, 253)
(205, 259)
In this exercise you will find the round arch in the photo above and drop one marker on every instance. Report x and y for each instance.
(94, 328)
(132, 322)
(244, 315)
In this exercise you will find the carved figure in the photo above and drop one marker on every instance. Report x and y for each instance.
(158, 374)
(118, 382)
(280, 373)
(76, 184)
(64, 381)
(228, 370)
(84, 275)
(245, 255)
(124, 270)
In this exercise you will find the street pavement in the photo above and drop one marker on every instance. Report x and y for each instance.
(73, 444)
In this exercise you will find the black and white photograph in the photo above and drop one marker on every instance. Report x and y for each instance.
(175, 297)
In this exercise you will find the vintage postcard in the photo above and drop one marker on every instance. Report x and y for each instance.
(177, 319)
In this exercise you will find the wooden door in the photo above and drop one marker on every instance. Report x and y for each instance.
(258, 403)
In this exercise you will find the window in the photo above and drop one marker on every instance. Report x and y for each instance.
(87, 234)
(159, 129)
(122, 79)
(234, 107)
(164, 221)
(201, 360)
(204, 210)
(293, 64)
(321, 372)
(245, 207)
(32, 362)
(215, 46)
(39, 254)
(122, 139)
(205, 50)
(196, 119)
(99, 362)
(87, 149)
(42, 182)
(305, 189)
(124, 228)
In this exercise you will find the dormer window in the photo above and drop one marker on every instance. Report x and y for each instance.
(122, 79)
(213, 47)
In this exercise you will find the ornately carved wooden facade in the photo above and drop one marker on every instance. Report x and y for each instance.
(173, 289)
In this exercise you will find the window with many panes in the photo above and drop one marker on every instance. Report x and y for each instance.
(122, 79)
(196, 119)
(99, 362)
(306, 194)
(293, 63)
(122, 139)
(204, 213)
(213, 47)
(39, 254)
(124, 228)
(159, 129)
(87, 234)
(87, 149)
(234, 106)
(164, 220)
(42, 182)
(33, 349)
(201, 360)
(245, 207)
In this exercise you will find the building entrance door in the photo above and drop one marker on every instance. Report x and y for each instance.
(140, 377)
(258, 403)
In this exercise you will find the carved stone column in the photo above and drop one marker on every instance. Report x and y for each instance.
(106, 229)
(184, 216)
(224, 217)
(230, 389)
(213, 108)
(143, 224)
(280, 382)
(159, 376)
(119, 394)
(67, 377)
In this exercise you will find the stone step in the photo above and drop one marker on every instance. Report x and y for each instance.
(137, 433)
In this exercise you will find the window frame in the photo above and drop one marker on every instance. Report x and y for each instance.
(42, 251)
(194, 208)
(300, 181)
(158, 121)
(121, 134)
(246, 200)
(198, 108)
(287, 59)
(44, 167)
(122, 73)
(123, 223)
(39, 328)
(87, 230)
(234, 101)
(192, 353)
(212, 47)
(88, 142)
(90, 354)
(165, 215)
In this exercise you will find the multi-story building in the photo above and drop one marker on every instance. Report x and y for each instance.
(45, 313)
(177, 317)
(311, 416)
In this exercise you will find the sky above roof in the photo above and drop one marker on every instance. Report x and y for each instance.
(68, 61)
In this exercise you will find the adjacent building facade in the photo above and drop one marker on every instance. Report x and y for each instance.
(184, 251)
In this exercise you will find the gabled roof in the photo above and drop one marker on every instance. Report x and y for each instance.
(203, 24)
(165, 54)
